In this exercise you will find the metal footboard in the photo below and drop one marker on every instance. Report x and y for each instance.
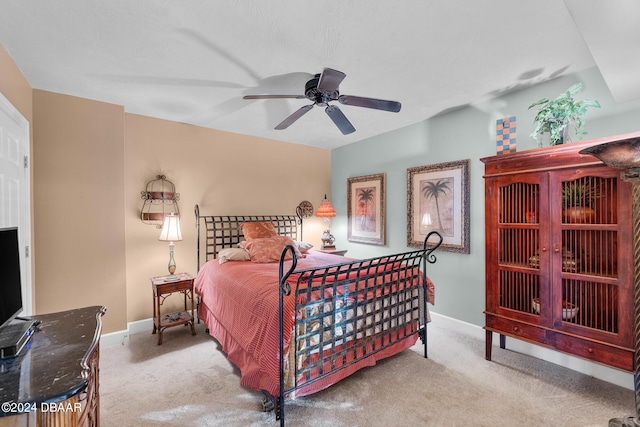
(348, 312)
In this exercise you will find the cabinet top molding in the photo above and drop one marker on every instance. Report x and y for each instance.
(548, 158)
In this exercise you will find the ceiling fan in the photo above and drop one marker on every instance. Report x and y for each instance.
(322, 89)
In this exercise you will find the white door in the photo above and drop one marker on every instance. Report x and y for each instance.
(14, 187)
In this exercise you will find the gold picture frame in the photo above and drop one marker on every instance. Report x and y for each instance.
(366, 210)
(438, 200)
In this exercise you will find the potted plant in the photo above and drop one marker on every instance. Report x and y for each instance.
(555, 115)
(577, 198)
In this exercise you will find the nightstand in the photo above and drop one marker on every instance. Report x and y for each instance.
(340, 252)
(163, 286)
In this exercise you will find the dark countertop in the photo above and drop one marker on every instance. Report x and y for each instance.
(54, 366)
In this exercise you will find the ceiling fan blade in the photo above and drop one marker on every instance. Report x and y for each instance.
(377, 104)
(293, 117)
(330, 80)
(273, 97)
(340, 119)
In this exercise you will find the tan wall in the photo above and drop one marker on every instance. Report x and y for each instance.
(14, 86)
(78, 162)
(90, 161)
(224, 173)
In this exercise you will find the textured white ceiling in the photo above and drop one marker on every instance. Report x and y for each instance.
(192, 61)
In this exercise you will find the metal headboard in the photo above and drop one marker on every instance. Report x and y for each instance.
(224, 231)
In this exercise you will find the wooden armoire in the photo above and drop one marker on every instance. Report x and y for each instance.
(559, 261)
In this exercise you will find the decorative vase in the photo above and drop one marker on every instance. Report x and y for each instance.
(578, 215)
(563, 136)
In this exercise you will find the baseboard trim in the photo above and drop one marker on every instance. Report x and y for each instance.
(611, 375)
(122, 337)
(601, 372)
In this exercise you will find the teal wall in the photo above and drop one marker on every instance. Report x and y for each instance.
(466, 133)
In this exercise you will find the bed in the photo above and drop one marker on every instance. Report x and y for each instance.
(295, 320)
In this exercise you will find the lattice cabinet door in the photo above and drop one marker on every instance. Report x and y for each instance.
(592, 284)
(519, 248)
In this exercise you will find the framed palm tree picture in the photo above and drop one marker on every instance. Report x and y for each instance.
(366, 209)
(438, 200)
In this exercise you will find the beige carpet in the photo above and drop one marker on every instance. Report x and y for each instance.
(187, 381)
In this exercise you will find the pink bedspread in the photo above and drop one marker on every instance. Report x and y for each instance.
(239, 303)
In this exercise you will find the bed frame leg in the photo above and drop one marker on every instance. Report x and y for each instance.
(423, 337)
(275, 404)
(279, 409)
(267, 404)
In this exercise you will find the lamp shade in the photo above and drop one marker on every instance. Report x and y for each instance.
(325, 210)
(171, 229)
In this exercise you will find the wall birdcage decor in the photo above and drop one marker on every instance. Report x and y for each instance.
(159, 200)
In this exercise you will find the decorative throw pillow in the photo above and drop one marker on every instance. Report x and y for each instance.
(258, 230)
(233, 254)
(303, 247)
(269, 249)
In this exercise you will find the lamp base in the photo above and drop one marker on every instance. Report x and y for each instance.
(324, 247)
(172, 263)
(328, 240)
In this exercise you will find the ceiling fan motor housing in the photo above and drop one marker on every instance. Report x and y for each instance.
(312, 92)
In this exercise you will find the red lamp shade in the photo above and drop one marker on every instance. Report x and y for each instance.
(325, 210)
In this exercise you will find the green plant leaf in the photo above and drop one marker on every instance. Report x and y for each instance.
(542, 101)
(575, 89)
(554, 116)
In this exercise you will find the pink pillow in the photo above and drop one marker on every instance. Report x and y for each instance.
(269, 249)
(258, 230)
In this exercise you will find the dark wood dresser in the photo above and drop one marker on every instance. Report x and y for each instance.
(54, 381)
(559, 261)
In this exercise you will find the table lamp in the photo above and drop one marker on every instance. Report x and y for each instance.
(171, 233)
(326, 212)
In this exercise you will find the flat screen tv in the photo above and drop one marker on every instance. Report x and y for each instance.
(10, 279)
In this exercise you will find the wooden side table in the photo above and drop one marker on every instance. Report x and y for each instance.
(340, 252)
(163, 286)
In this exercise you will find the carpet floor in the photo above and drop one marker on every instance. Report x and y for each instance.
(187, 381)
